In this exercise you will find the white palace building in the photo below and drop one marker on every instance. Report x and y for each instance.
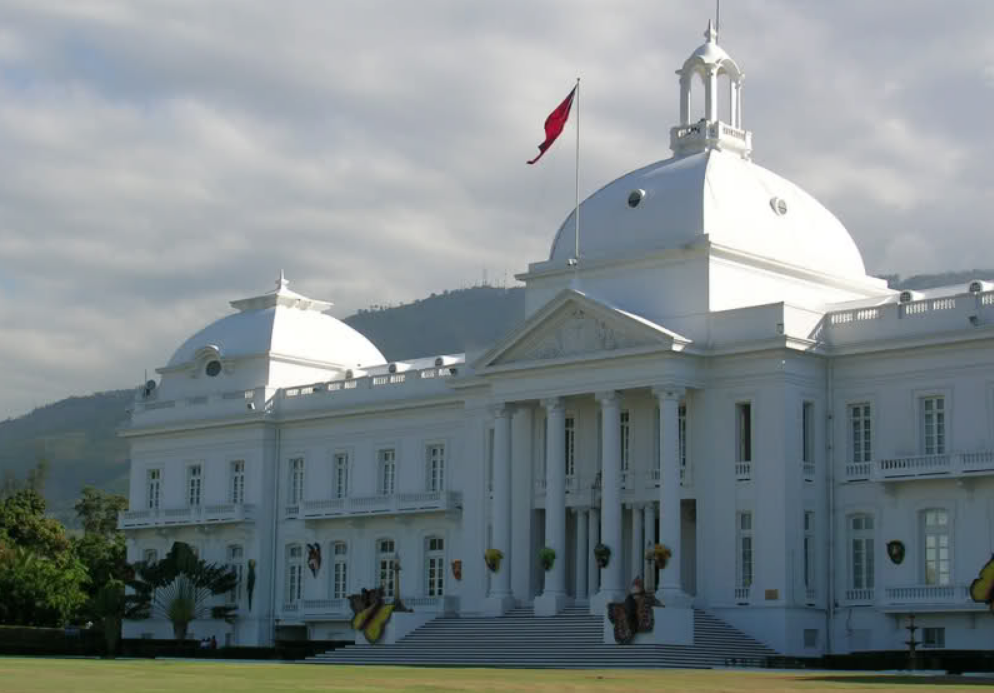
(718, 375)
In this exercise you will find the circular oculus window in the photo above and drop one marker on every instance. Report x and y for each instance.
(635, 197)
(779, 206)
(213, 368)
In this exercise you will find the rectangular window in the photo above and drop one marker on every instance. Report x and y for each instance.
(388, 471)
(154, 488)
(236, 555)
(600, 439)
(744, 562)
(340, 572)
(237, 494)
(294, 573)
(340, 472)
(682, 434)
(809, 550)
(860, 433)
(861, 556)
(808, 432)
(933, 637)
(194, 483)
(657, 451)
(386, 560)
(743, 428)
(626, 440)
(435, 566)
(435, 464)
(933, 425)
(296, 486)
(935, 540)
(570, 446)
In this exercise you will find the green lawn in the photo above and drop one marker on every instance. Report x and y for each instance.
(19, 675)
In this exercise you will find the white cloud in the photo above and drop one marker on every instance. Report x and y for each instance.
(164, 157)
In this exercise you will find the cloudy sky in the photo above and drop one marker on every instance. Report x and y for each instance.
(161, 157)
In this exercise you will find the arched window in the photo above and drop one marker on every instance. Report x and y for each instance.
(294, 573)
(386, 557)
(340, 570)
(434, 566)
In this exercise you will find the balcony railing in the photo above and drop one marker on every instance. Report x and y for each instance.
(326, 609)
(187, 515)
(859, 596)
(742, 594)
(927, 595)
(809, 471)
(743, 471)
(963, 464)
(395, 504)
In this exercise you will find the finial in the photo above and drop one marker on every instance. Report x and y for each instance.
(711, 35)
(282, 282)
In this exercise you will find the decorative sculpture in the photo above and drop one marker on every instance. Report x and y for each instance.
(895, 551)
(602, 554)
(982, 589)
(634, 615)
(370, 613)
(457, 569)
(250, 582)
(547, 557)
(314, 558)
(492, 558)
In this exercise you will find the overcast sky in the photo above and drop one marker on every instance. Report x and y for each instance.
(162, 157)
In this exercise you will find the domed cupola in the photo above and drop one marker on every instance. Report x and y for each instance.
(709, 63)
(274, 339)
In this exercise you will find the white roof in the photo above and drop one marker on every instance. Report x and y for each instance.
(730, 200)
(282, 323)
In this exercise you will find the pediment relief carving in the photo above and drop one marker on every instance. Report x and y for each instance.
(575, 333)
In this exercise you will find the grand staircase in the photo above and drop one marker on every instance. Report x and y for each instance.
(571, 640)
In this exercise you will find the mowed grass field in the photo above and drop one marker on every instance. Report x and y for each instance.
(21, 675)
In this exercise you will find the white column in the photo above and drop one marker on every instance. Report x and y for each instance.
(636, 539)
(582, 554)
(593, 536)
(648, 539)
(522, 501)
(612, 577)
(670, 590)
(711, 94)
(685, 83)
(553, 597)
(500, 582)
(733, 98)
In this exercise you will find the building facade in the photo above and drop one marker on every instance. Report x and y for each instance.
(717, 374)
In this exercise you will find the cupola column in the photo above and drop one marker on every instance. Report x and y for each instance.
(685, 82)
(711, 93)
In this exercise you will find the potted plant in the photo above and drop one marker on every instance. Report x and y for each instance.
(547, 555)
(492, 558)
(602, 554)
(660, 554)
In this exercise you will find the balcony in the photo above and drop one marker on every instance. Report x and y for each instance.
(364, 506)
(926, 598)
(223, 513)
(859, 597)
(324, 609)
(951, 465)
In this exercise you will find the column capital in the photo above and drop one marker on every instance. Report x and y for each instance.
(551, 403)
(501, 409)
(670, 392)
(608, 397)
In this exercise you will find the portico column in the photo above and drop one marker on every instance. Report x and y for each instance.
(593, 536)
(637, 549)
(582, 554)
(553, 597)
(612, 576)
(500, 584)
(648, 540)
(670, 590)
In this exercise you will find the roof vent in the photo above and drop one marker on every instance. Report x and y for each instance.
(778, 205)
(906, 297)
(635, 197)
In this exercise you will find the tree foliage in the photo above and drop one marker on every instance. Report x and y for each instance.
(102, 547)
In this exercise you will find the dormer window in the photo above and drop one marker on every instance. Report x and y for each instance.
(213, 368)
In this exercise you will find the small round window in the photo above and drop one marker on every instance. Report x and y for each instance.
(635, 197)
(213, 368)
(779, 206)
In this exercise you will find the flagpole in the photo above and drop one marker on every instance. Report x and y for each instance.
(576, 211)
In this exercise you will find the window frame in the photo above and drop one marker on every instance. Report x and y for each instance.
(236, 481)
(940, 578)
(808, 442)
(157, 471)
(625, 437)
(381, 466)
(866, 538)
(294, 576)
(194, 484)
(386, 573)
(236, 563)
(745, 550)
(435, 482)
(744, 430)
(434, 560)
(569, 444)
(810, 552)
(341, 472)
(295, 473)
(863, 452)
(339, 569)
(940, 444)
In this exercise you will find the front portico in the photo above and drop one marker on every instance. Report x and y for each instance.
(585, 475)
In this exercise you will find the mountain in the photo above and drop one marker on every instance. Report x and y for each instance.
(77, 435)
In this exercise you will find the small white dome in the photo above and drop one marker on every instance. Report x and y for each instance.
(282, 323)
(720, 195)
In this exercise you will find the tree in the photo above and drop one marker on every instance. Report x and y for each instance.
(110, 605)
(97, 511)
(180, 589)
(102, 547)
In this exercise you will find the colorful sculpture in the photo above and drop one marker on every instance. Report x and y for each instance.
(370, 613)
(982, 589)
(634, 615)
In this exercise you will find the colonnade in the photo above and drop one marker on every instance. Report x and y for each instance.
(593, 525)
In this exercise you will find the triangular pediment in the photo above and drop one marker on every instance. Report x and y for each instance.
(575, 326)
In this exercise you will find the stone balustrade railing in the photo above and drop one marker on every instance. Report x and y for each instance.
(960, 464)
(397, 503)
(218, 513)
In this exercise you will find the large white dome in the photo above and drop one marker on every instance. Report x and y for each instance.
(284, 324)
(717, 194)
